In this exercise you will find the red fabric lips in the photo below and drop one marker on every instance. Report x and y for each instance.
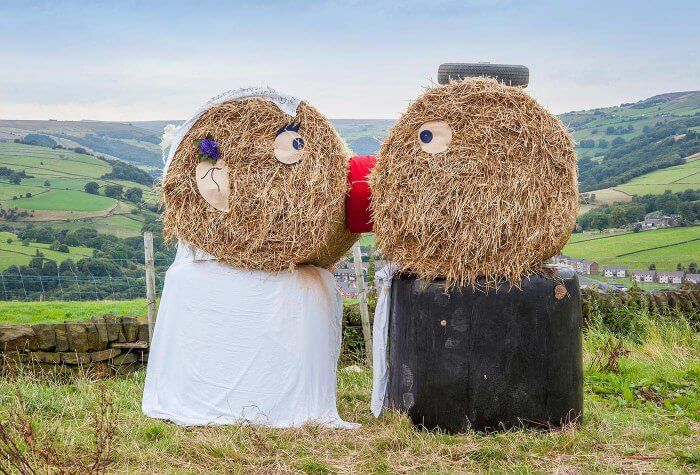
(358, 217)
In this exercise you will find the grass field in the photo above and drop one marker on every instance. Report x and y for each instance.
(16, 253)
(64, 199)
(58, 312)
(642, 418)
(638, 247)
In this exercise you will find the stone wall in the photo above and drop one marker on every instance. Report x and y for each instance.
(103, 346)
(685, 300)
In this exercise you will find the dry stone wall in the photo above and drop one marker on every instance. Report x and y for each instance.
(685, 300)
(103, 346)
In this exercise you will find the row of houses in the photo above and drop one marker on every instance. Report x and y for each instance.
(648, 276)
(586, 267)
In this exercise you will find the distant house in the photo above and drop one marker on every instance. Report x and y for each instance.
(652, 222)
(586, 267)
(692, 278)
(344, 274)
(643, 275)
(670, 277)
(347, 289)
(615, 271)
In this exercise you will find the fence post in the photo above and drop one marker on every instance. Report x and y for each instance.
(150, 282)
(362, 294)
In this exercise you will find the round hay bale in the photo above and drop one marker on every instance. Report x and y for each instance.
(279, 215)
(494, 196)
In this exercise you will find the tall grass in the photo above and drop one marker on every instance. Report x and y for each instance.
(641, 414)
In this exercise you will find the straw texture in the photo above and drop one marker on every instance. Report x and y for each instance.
(280, 216)
(499, 201)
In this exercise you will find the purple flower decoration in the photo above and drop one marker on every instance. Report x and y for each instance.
(210, 149)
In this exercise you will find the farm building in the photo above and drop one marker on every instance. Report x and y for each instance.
(615, 271)
(692, 278)
(653, 222)
(643, 275)
(670, 277)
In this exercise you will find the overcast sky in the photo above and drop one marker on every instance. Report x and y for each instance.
(128, 60)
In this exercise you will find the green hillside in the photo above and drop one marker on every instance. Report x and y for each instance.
(678, 178)
(628, 120)
(664, 247)
(110, 139)
(53, 191)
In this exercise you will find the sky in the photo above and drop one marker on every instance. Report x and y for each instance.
(151, 60)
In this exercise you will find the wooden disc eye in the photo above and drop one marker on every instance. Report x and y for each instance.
(289, 147)
(434, 136)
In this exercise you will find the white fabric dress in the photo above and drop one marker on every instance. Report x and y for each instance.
(232, 346)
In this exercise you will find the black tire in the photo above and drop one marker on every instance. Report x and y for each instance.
(510, 74)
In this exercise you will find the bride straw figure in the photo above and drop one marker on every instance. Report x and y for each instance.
(249, 325)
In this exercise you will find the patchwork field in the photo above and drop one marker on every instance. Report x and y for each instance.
(55, 193)
(664, 247)
(16, 253)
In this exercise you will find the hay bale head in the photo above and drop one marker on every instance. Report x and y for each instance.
(476, 180)
(275, 198)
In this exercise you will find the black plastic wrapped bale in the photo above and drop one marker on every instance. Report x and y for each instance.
(486, 361)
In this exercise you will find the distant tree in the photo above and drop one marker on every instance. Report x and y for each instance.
(67, 266)
(49, 268)
(645, 129)
(693, 267)
(36, 263)
(617, 217)
(652, 266)
(28, 195)
(63, 248)
(618, 141)
(610, 130)
(15, 178)
(9, 240)
(25, 242)
(47, 183)
(602, 143)
(134, 194)
(114, 191)
(92, 187)
(587, 143)
(679, 267)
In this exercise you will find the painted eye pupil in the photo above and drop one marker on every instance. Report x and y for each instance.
(298, 143)
(426, 136)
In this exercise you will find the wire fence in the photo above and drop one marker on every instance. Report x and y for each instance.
(127, 282)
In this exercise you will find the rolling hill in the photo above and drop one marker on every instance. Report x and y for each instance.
(53, 191)
(116, 140)
(628, 121)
